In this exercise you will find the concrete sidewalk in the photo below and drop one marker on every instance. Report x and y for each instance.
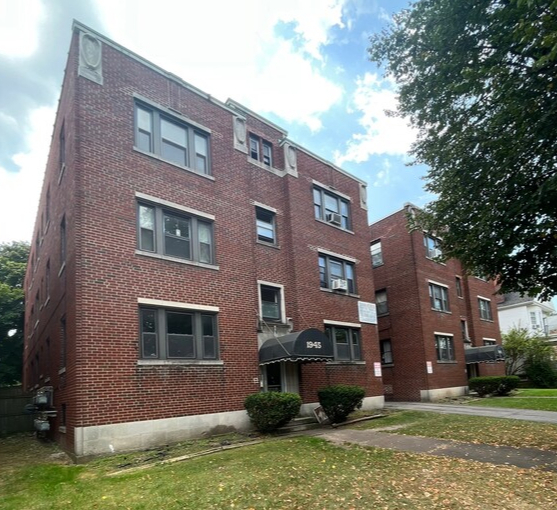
(492, 412)
(527, 458)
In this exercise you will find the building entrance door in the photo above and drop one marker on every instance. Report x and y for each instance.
(282, 376)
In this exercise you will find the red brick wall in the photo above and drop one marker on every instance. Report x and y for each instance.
(412, 323)
(104, 277)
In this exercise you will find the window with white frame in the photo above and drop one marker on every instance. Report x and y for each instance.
(336, 274)
(381, 302)
(177, 334)
(386, 352)
(171, 138)
(490, 341)
(376, 254)
(346, 342)
(331, 208)
(439, 297)
(534, 322)
(271, 303)
(261, 150)
(432, 247)
(485, 309)
(444, 345)
(266, 225)
(174, 233)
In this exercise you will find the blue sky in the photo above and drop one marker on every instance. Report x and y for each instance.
(301, 64)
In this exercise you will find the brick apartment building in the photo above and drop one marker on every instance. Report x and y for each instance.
(177, 238)
(437, 327)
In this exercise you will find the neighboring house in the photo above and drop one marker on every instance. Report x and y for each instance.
(537, 317)
(186, 254)
(437, 327)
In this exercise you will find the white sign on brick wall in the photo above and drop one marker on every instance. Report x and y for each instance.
(367, 312)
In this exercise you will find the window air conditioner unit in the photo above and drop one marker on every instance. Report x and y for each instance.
(333, 218)
(340, 285)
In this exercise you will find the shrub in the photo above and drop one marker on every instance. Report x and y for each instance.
(340, 400)
(271, 410)
(494, 385)
(542, 374)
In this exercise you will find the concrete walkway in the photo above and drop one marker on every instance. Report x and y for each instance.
(526, 458)
(492, 412)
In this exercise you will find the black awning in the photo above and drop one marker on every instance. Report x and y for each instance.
(485, 354)
(308, 345)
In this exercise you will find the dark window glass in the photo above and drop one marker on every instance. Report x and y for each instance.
(439, 297)
(331, 208)
(265, 222)
(485, 309)
(376, 254)
(270, 303)
(149, 341)
(331, 269)
(174, 234)
(347, 345)
(381, 302)
(171, 139)
(172, 334)
(386, 352)
(180, 335)
(445, 348)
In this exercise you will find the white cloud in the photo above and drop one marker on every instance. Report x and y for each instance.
(19, 22)
(382, 134)
(383, 177)
(238, 52)
(18, 214)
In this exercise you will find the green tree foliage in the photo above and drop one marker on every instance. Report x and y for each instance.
(478, 79)
(523, 350)
(13, 263)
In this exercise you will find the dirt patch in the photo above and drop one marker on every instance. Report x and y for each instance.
(25, 450)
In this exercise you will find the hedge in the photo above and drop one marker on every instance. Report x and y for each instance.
(271, 410)
(494, 385)
(340, 400)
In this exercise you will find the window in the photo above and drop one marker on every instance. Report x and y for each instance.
(381, 302)
(376, 254)
(444, 346)
(47, 208)
(432, 247)
(346, 342)
(464, 331)
(63, 342)
(490, 341)
(265, 221)
(458, 284)
(485, 309)
(63, 242)
(47, 281)
(386, 352)
(171, 139)
(271, 300)
(439, 297)
(333, 271)
(174, 234)
(62, 149)
(260, 150)
(534, 320)
(331, 208)
(177, 334)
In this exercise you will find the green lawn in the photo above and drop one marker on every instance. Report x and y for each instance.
(517, 402)
(296, 473)
(533, 392)
(472, 429)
